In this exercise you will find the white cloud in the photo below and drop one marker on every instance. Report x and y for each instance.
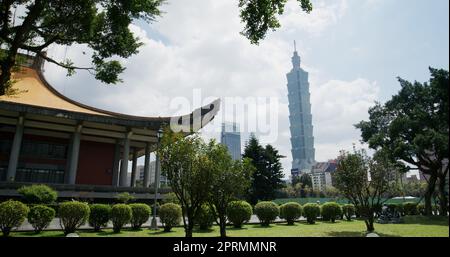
(205, 51)
(337, 106)
(323, 15)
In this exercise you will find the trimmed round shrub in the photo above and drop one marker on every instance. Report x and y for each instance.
(124, 197)
(170, 215)
(120, 215)
(410, 208)
(290, 212)
(38, 194)
(311, 211)
(267, 212)
(348, 210)
(12, 214)
(40, 217)
(331, 211)
(239, 212)
(100, 215)
(72, 215)
(140, 214)
(205, 217)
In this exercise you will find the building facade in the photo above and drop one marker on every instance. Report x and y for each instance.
(231, 137)
(321, 181)
(322, 174)
(141, 175)
(300, 117)
(79, 150)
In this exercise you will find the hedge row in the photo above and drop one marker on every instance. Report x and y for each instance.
(72, 215)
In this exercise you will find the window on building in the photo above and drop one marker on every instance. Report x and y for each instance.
(43, 150)
(39, 175)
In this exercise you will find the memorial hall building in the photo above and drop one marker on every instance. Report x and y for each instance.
(79, 150)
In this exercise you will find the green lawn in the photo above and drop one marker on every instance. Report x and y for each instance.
(414, 226)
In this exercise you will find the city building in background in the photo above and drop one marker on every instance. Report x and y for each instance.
(140, 177)
(231, 137)
(300, 117)
(322, 174)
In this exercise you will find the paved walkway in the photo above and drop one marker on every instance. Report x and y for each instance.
(54, 225)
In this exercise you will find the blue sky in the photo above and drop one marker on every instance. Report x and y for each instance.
(385, 39)
(353, 50)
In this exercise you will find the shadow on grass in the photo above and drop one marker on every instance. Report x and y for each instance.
(426, 220)
(33, 234)
(236, 229)
(110, 232)
(203, 231)
(354, 234)
(288, 225)
(101, 233)
(259, 226)
(161, 232)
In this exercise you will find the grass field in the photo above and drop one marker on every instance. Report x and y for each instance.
(413, 226)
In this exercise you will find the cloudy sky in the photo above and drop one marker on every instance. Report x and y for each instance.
(353, 50)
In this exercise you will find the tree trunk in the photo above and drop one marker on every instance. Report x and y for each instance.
(223, 231)
(6, 231)
(369, 223)
(443, 201)
(189, 229)
(429, 194)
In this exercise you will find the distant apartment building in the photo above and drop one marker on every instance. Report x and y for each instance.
(320, 181)
(231, 138)
(321, 174)
(140, 175)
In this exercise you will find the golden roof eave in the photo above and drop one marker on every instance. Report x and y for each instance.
(36, 95)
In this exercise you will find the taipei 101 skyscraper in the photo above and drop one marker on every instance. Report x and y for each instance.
(302, 140)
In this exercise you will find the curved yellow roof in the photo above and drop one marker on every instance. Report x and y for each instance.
(33, 91)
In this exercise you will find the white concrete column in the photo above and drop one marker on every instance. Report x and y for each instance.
(115, 173)
(133, 169)
(147, 166)
(124, 163)
(74, 153)
(15, 151)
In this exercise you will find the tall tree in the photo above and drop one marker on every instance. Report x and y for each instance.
(102, 26)
(306, 180)
(261, 15)
(230, 179)
(365, 182)
(268, 171)
(413, 128)
(185, 163)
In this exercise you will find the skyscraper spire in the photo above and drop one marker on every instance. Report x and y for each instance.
(296, 58)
